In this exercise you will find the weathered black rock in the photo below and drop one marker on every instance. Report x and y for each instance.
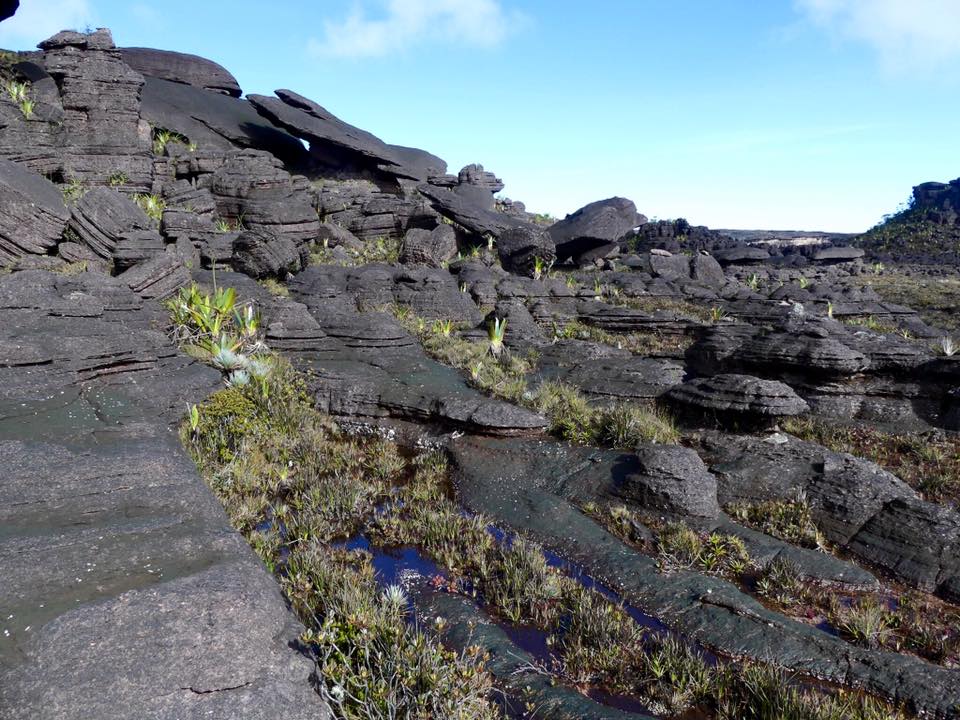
(706, 270)
(739, 394)
(533, 487)
(521, 248)
(32, 213)
(103, 133)
(215, 121)
(125, 594)
(742, 255)
(253, 188)
(433, 248)
(261, 254)
(671, 479)
(855, 503)
(336, 236)
(595, 229)
(8, 8)
(837, 254)
(471, 207)
(476, 175)
(305, 118)
(181, 68)
(115, 227)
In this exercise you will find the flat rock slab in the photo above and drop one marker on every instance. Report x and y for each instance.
(126, 594)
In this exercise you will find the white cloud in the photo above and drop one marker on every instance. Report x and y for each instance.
(37, 20)
(475, 23)
(907, 34)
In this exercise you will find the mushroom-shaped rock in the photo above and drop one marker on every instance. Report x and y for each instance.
(673, 479)
(740, 394)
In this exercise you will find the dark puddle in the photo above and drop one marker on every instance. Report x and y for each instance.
(402, 566)
(406, 566)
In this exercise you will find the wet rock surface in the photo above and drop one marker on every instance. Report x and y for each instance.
(119, 561)
(534, 495)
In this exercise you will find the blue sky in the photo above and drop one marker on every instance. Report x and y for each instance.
(805, 114)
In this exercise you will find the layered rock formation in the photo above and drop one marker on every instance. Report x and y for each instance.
(638, 371)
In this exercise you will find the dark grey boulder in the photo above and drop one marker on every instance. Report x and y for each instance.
(707, 271)
(335, 236)
(419, 162)
(32, 213)
(921, 540)
(669, 267)
(855, 503)
(261, 254)
(807, 353)
(595, 229)
(115, 227)
(181, 68)
(126, 594)
(519, 249)
(671, 479)
(35, 142)
(159, 277)
(611, 377)
(741, 395)
(535, 487)
(434, 294)
(433, 248)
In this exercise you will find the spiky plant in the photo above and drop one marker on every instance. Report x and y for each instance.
(496, 329)
(152, 205)
(540, 267)
(443, 327)
(718, 314)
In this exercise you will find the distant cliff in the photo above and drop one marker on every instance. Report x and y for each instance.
(927, 230)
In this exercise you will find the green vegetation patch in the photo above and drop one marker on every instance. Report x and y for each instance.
(936, 299)
(490, 367)
(381, 250)
(789, 520)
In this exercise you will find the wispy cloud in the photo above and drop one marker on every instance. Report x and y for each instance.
(907, 34)
(37, 20)
(404, 23)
